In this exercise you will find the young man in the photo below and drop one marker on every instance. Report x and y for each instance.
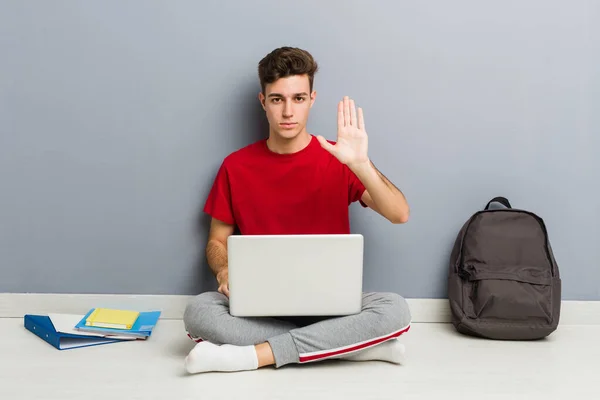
(294, 183)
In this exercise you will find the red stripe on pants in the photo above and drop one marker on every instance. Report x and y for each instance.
(198, 340)
(361, 346)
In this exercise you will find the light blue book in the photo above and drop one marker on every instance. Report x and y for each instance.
(141, 329)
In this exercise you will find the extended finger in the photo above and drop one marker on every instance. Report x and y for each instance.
(352, 113)
(346, 111)
(361, 119)
(340, 114)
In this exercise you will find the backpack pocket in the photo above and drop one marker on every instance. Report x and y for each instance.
(509, 296)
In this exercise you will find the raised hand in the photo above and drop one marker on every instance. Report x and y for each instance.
(351, 147)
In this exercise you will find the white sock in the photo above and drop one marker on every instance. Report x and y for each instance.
(206, 357)
(391, 351)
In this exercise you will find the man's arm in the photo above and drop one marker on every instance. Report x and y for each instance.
(381, 195)
(351, 149)
(216, 252)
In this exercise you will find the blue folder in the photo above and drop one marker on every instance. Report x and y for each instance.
(41, 325)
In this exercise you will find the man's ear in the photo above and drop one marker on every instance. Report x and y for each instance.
(313, 96)
(261, 98)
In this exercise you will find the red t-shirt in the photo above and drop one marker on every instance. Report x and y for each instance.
(262, 192)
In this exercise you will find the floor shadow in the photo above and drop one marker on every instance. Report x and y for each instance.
(181, 348)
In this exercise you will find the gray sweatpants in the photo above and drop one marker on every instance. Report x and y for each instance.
(384, 316)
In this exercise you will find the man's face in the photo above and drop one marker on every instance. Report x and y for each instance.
(287, 103)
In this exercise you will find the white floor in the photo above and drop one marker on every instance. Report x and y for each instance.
(441, 365)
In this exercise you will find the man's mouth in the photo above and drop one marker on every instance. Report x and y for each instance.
(287, 125)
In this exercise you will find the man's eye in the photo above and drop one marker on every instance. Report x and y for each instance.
(299, 98)
(276, 100)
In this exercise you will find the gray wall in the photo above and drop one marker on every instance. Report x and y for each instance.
(115, 115)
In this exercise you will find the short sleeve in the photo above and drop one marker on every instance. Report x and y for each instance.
(355, 187)
(218, 204)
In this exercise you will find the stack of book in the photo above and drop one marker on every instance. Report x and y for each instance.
(98, 326)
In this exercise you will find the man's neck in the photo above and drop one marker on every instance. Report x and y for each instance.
(288, 146)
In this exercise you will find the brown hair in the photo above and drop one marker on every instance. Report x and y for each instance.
(284, 62)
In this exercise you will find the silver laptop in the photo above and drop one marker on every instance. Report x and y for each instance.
(295, 275)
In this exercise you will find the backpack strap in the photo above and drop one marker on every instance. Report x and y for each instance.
(502, 200)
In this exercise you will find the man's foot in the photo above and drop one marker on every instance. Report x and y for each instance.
(391, 351)
(206, 357)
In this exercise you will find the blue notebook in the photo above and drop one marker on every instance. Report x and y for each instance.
(41, 325)
(142, 328)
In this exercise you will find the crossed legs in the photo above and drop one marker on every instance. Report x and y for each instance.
(227, 343)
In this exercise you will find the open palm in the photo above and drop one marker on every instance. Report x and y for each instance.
(351, 146)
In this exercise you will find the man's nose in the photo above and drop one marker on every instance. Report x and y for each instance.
(287, 109)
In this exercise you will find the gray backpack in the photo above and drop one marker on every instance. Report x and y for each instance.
(503, 279)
